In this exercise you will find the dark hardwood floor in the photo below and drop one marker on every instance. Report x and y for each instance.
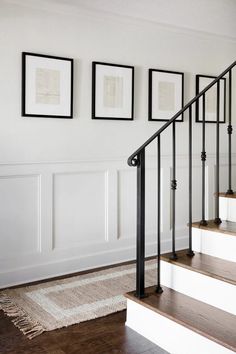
(106, 335)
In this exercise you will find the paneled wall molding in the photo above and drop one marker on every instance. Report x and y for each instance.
(68, 212)
(66, 217)
(122, 159)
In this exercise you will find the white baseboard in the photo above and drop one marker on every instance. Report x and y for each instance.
(68, 266)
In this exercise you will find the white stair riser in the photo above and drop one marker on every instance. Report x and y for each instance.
(214, 244)
(199, 286)
(228, 209)
(168, 334)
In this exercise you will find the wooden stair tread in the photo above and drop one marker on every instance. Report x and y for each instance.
(209, 321)
(226, 227)
(224, 195)
(202, 263)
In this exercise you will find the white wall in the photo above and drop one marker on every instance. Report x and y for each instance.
(67, 196)
(212, 16)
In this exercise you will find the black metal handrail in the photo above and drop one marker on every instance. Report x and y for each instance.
(179, 113)
(137, 159)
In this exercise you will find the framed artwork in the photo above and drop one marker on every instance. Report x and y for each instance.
(210, 99)
(112, 91)
(47, 86)
(166, 94)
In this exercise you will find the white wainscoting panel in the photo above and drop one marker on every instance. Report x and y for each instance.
(127, 203)
(151, 203)
(58, 218)
(80, 208)
(20, 210)
(182, 195)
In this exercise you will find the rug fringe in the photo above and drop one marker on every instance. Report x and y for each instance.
(19, 317)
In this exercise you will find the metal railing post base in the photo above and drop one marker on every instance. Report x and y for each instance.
(173, 257)
(230, 191)
(140, 296)
(217, 221)
(190, 253)
(159, 289)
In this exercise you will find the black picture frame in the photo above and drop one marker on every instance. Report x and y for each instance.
(198, 78)
(24, 110)
(95, 114)
(150, 95)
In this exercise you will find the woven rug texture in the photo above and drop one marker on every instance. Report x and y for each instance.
(56, 304)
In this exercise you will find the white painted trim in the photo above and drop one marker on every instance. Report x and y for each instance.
(168, 334)
(65, 266)
(75, 254)
(55, 268)
(121, 159)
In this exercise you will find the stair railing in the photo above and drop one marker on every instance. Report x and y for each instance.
(137, 159)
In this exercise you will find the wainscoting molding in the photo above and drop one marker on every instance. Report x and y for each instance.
(59, 218)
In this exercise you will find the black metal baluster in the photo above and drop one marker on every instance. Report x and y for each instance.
(203, 158)
(159, 289)
(190, 251)
(140, 266)
(230, 130)
(217, 211)
(173, 188)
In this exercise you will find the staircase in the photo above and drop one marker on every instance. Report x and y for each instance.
(192, 308)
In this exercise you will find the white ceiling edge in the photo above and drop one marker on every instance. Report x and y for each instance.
(83, 12)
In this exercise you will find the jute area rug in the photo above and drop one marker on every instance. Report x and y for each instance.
(55, 304)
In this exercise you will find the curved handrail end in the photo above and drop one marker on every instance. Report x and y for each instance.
(133, 161)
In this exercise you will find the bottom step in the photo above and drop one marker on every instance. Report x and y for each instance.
(180, 324)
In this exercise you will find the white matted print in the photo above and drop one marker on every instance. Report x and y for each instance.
(112, 91)
(202, 81)
(47, 86)
(166, 91)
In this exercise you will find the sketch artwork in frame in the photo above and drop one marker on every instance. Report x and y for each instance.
(166, 95)
(210, 99)
(112, 91)
(47, 86)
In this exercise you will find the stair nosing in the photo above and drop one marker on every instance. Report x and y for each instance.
(196, 225)
(230, 196)
(206, 273)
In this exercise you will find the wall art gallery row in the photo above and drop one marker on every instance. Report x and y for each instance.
(47, 91)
